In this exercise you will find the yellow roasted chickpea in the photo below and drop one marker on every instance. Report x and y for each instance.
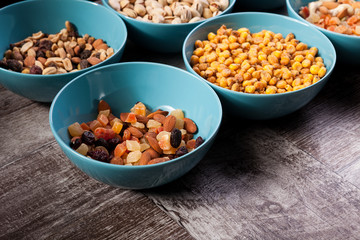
(258, 63)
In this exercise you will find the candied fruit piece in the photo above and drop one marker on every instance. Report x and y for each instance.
(83, 149)
(106, 133)
(132, 145)
(103, 119)
(120, 149)
(178, 113)
(133, 157)
(139, 108)
(75, 130)
(117, 126)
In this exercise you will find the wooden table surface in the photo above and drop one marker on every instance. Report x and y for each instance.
(296, 177)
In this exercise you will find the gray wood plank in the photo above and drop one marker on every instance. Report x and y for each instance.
(43, 196)
(10, 102)
(267, 188)
(328, 128)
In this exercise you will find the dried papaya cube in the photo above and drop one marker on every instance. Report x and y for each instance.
(104, 133)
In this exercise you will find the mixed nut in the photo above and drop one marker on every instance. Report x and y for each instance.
(138, 137)
(62, 52)
(170, 11)
(341, 16)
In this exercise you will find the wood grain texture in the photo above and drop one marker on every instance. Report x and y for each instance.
(43, 196)
(266, 188)
(295, 177)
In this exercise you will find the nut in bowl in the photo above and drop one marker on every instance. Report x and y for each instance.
(338, 20)
(40, 57)
(131, 96)
(260, 69)
(162, 26)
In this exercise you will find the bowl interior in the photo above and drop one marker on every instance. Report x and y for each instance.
(263, 106)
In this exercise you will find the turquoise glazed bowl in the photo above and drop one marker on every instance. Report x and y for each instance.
(264, 106)
(347, 47)
(20, 20)
(260, 5)
(159, 37)
(122, 85)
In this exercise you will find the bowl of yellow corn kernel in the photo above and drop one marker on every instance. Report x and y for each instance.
(259, 68)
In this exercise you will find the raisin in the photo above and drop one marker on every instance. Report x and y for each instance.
(40, 53)
(84, 64)
(99, 154)
(113, 142)
(14, 65)
(45, 44)
(3, 64)
(85, 54)
(199, 140)
(88, 138)
(75, 143)
(175, 138)
(102, 142)
(181, 151)
(35, 70)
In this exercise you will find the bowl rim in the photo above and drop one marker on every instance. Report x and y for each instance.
(330, 33)
(286, 18)
(108, 165)
(166, 25)
(75, 73)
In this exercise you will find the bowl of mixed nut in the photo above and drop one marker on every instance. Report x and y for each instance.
(162, 25)
(45, 44)
(135, 129)
(339, 20)
(259, 68)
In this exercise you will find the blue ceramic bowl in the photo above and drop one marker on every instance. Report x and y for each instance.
(20, 20)
(347, 47)
(264, 106)
(159, 37)
(122, 85)
(260, 5)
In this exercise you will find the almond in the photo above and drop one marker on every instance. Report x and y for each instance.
(142, 119)
(29, 61)
(94, 60)
(103, 106)
(159, 111)
(342, 13)
(135, 132)
(169, 123)
(152, 153)
(157, 160)
(145, 158)
(97, 43)
(189, 125)
(330, 5)
(159, 117)
(154, 144)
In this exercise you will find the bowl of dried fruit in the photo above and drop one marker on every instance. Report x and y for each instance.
(45, 44)
(259, 68)
(135, 129)
(162, 25)
(338, 20)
